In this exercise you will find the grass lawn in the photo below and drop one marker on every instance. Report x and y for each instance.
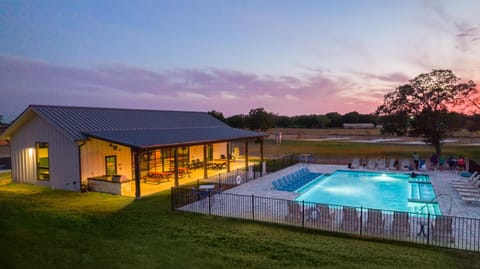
(41, 228)
(343, 149)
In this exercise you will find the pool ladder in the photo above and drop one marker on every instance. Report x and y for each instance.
(434, 198)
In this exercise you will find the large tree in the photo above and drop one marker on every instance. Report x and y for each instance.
(259, 119)
(426, 101)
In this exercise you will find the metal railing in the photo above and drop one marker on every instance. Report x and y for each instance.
(429, 229)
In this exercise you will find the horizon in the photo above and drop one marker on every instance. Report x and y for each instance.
(290, 58)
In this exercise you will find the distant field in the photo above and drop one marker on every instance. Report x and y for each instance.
(342, 152)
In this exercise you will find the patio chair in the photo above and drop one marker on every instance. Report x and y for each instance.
(324, 217)
(442, 230)
(465, 180)
(294, 212)
(405, 164)
(471, 199)
(350, 220)
(468, 186)
(375, 222)
(466, 183)
(381, 164)
(371, 164)
(355, 163)
(391, 164)
(400, 224)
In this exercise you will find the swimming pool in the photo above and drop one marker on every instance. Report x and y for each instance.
(389, 191)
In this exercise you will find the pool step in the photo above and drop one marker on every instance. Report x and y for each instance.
(421, 192)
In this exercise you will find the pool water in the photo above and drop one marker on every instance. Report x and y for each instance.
(389, 191)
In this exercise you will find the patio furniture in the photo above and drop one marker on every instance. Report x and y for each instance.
(381, 164)
(371, 164)
(405, 164)
(401, 224)
(350, 220)
(375, 222)
(355, 163)
(471, 178)
(442, 230)
(324, 217)
(294, 212)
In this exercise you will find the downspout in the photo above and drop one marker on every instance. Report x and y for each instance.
(80, 162)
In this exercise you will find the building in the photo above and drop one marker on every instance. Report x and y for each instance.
(120, 150)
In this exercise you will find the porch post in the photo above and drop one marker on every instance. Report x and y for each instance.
(228, 157)
(205, 172)
(261, 157)
(137, 155)
(246, 155)
(175, 165)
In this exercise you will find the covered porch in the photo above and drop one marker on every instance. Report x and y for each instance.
(135, 168)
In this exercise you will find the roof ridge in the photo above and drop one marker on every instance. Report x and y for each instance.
(156, 129)
(116, 108)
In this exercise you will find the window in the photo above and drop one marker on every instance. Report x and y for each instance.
(43, 166)
(111, 165)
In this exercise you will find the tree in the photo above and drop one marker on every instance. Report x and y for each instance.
(335, 119)
(426, 101)
(259, 119)
(237, 121)
(218, 115)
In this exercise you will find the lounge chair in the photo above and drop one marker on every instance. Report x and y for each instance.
(473, 186)
(355, 163)
(442, 230)
(350, 220)
(405, 164)
(375, 222)
(381, 164)
(391, 164)
(471, 199)
(294, 212)
(466, 183)
(324, 217)
(371, 164)
(465, 180)
(400, 224)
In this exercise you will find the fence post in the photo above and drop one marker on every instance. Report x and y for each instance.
(303, 214)
(428, 228)
(361, 219)
(253, 207)
(209, 204)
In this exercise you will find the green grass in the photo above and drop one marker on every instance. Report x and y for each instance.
(41, 228)
(342, 149)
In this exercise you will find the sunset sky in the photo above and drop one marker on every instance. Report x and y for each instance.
(290, 57)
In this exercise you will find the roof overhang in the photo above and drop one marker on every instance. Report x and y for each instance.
(158, 138)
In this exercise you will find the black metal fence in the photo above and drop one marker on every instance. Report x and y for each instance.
(429, 229)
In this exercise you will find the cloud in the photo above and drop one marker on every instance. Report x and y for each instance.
(26, 81)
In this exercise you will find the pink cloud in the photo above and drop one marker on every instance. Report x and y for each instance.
(26, 81)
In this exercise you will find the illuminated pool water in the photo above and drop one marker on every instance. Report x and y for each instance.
(389, 191)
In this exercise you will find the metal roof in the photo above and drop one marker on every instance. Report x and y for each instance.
(174, 137)
(135, 127)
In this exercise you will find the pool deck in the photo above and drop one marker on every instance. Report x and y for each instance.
(449, 200)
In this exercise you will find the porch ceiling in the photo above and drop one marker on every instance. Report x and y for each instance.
(151, 138)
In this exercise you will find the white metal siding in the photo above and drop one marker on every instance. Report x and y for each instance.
(93, 155)
(62, 151)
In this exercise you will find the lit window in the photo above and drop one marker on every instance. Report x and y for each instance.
(111, 165)
(43, 166)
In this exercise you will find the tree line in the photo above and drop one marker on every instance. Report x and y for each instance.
(261, 120)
